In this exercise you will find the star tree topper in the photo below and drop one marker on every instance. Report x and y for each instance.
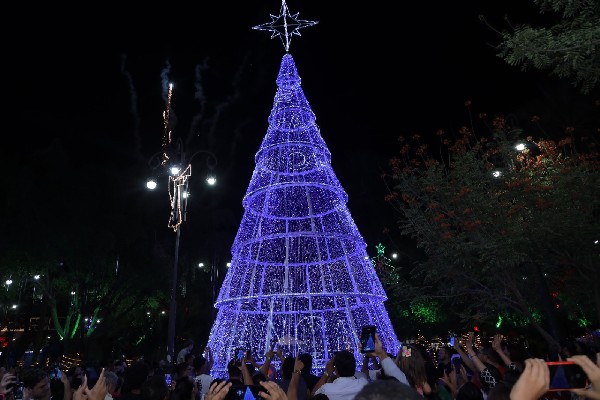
(285, 25)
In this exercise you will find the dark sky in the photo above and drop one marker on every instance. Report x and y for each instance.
(94, 78)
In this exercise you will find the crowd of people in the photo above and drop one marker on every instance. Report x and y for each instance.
(462, 371)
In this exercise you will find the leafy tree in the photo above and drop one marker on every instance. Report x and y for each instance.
(505, 231)
(76, 226)
(568, 46)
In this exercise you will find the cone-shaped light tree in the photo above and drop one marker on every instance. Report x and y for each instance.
(300, 274)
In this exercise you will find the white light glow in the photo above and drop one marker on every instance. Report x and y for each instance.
(175, 170)
(497, 173)
(151, 184)
(36, 277)
(211, 180)
(520, 147)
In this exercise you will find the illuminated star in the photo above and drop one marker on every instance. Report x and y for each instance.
(285, 25)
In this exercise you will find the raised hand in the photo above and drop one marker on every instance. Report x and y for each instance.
(80, 392)
(497, 343)
(533, 382)
(273, 391)
(593, 373)
(99, 391)
(7, 384)
(218, 390)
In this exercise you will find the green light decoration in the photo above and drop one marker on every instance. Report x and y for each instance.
(429, 312)
(75, 326)
(384, 267)
(499, 323)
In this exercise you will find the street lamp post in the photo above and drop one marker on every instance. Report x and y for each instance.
(180, 170)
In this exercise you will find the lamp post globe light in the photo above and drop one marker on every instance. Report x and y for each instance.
(173, 160)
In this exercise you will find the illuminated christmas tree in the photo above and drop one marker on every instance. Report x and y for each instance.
(300, 274)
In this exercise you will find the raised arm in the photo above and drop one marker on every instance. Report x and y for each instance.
(268, 357)
(497, 346)
(329, 368)
(292, 392)
(245, 373)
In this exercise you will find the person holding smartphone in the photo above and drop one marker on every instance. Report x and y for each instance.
(36, 385)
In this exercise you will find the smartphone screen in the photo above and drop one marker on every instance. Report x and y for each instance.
(244, 392)
(566, 375)
(168, 379)
(367, 338)
(239, 354)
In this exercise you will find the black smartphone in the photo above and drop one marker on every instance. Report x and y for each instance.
(367, 338)
(168, 379)
(244, 392)
(239, 354)
(18, 391)
(566, 375)
(456, 362)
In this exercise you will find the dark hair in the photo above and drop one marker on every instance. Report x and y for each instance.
(233, 369)
(258, 377)
(345, 363)
(135, 376)
(387, 389)
(469, 391)
(183, 389)
(181, 368)
(306, 360)
(199, 362)
(499, 392)
(155, 388)
(32, 376)
(320, 396)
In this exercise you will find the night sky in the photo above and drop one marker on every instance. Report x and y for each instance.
(95, 78)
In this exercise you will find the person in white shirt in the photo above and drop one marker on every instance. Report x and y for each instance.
(189, 346)
(346, 385)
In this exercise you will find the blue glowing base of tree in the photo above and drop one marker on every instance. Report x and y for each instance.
(300, 274)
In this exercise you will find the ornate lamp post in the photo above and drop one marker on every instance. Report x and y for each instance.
(175, 160)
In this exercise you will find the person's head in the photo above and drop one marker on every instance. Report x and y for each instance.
(182, 370)
(387, 389)
(189, 358)
(499, 392)
(37, 382)
(233, 369)
(345, 363)
(307, 361)
(469, 391)
(184, 389)
(112, 381)
(155, 388)
(258, 377)
(200, 365)
(412, 363)
(135, 376)
(119, 367)
(444, 354)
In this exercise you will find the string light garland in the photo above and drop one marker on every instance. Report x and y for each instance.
(300, 274)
